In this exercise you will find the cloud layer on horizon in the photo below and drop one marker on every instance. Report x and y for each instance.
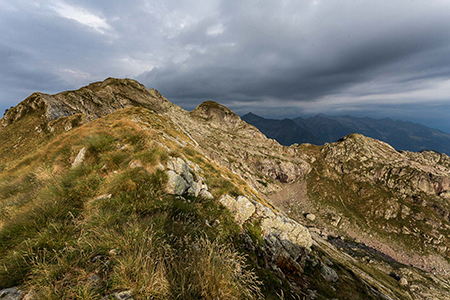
(275, 58)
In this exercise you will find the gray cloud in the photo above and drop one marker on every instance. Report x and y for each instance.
(272, 57)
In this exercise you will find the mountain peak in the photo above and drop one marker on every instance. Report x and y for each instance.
(251, 117)
(213, 106)
(216, 114)
(356, 144)
(94, 100)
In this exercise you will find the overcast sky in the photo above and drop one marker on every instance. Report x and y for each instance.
(387, 58)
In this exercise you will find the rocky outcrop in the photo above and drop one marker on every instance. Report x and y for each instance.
(283, 171)
(287, 242)
(12, 293)
(217, 115)
(184, 179)
(370, 160)
(95, 100)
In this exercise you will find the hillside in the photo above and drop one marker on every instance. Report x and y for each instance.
(113, 192)
(322, 129)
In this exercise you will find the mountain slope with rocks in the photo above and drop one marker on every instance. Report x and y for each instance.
(113, 192)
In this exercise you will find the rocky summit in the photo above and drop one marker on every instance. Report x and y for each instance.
(113, 192)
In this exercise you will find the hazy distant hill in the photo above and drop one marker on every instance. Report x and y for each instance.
(286, 131)
(322, 129)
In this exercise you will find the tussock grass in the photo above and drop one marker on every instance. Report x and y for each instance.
(62, 240)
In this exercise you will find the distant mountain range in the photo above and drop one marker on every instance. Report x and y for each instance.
(322, 129)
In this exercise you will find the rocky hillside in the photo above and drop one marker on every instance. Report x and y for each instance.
(322, 129)
(113, 192)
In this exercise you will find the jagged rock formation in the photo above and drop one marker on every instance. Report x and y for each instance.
(407, 172)
(287, 241)
(184, 178)
(94, 101)
(352, 219)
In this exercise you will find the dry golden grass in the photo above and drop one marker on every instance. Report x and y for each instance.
(57, 236)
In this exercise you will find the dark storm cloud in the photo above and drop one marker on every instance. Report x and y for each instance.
(272, 56)
(302, 51)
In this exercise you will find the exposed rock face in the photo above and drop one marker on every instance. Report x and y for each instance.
(95, 100)
(234, 144)
(371, 160)
(400, 194)
(217, 115)
(287, 241)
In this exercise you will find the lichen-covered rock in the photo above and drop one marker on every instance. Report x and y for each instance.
(194, 189)
(288, 232)
(329, 274)
(287, 242)
(227, 201)
(311, 217)
(184, 178)
(205, 194)
(12, 293)
(241, 207)
(80, 158)
(403, 281)
(125, 295)
(31, 295)
(244, 209)
(176, 184)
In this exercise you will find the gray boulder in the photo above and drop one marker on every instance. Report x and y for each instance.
(184, 178)
(241, 207)
(205, 194)
(329, 274)
(12, 293)
(176, 184)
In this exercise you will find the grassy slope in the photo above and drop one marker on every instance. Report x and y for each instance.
(58, 238)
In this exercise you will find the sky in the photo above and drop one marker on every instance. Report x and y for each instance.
(387, 58)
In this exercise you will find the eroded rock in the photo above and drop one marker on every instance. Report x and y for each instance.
(176, 184)
(403, 281)
(80, 158)
(12, 293)
(328, 274)
(205, 194)
(184, 178)
(311, 217)
(287, 242)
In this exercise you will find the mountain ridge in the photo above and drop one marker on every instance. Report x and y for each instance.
(351, 219)
(320, 129)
